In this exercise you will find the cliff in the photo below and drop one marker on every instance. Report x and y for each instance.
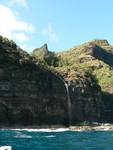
(95, 57)
(41, 52)
(32, 94)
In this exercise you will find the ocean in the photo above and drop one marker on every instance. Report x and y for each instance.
(60, 139)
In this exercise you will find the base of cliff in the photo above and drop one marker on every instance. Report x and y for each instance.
(89, 128)
(60, 128)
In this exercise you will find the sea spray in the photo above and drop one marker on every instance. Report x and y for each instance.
(43, 130)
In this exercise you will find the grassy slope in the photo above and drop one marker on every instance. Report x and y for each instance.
(96, 57)
(13, 56)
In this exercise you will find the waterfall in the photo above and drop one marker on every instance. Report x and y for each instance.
(69, 102)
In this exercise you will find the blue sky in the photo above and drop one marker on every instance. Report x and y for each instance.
(61, 24)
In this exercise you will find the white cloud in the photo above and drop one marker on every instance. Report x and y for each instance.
(28, 48)
(51, 33)
(20, 37)
(19, 2)
(10, 27)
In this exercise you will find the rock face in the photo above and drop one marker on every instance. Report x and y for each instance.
(33, 95)
(86, 101)
(31, 98)
(41, 98)
(101, 42)
(42, 51)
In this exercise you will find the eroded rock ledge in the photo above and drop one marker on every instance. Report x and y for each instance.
(88, 128)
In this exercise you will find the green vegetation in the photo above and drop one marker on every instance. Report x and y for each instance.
(93, 59)
(52, 60)
(85, 123)
(56, 61)
(14, 56)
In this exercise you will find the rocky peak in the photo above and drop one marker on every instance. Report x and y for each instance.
(45, 47)
(100, 42)
(42, 51)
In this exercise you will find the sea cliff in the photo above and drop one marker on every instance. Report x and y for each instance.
(31, 93)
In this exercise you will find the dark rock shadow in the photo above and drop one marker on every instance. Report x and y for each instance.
(102, 54)
(107, 113)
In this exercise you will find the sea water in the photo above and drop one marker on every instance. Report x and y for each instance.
(60, 139)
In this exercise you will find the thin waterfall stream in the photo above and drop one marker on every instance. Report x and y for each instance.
(69, 102)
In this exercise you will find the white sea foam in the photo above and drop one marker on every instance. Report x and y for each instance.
(23, 136)
(54, 130)
(49, 130)
(38, 130)
(49, 136)
(78, 130)
(43, 130)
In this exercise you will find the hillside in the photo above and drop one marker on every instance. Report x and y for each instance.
(38, 85)
(95, 56)
(34, 93)
(95, 59)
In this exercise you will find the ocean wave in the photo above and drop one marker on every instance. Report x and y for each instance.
(43, 130)
(23, 136)
(49, 136)
(49, 130)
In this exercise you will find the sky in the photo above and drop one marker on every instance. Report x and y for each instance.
(61, 24)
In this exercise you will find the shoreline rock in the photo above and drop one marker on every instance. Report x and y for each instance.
(57, 127)
(88, 128)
